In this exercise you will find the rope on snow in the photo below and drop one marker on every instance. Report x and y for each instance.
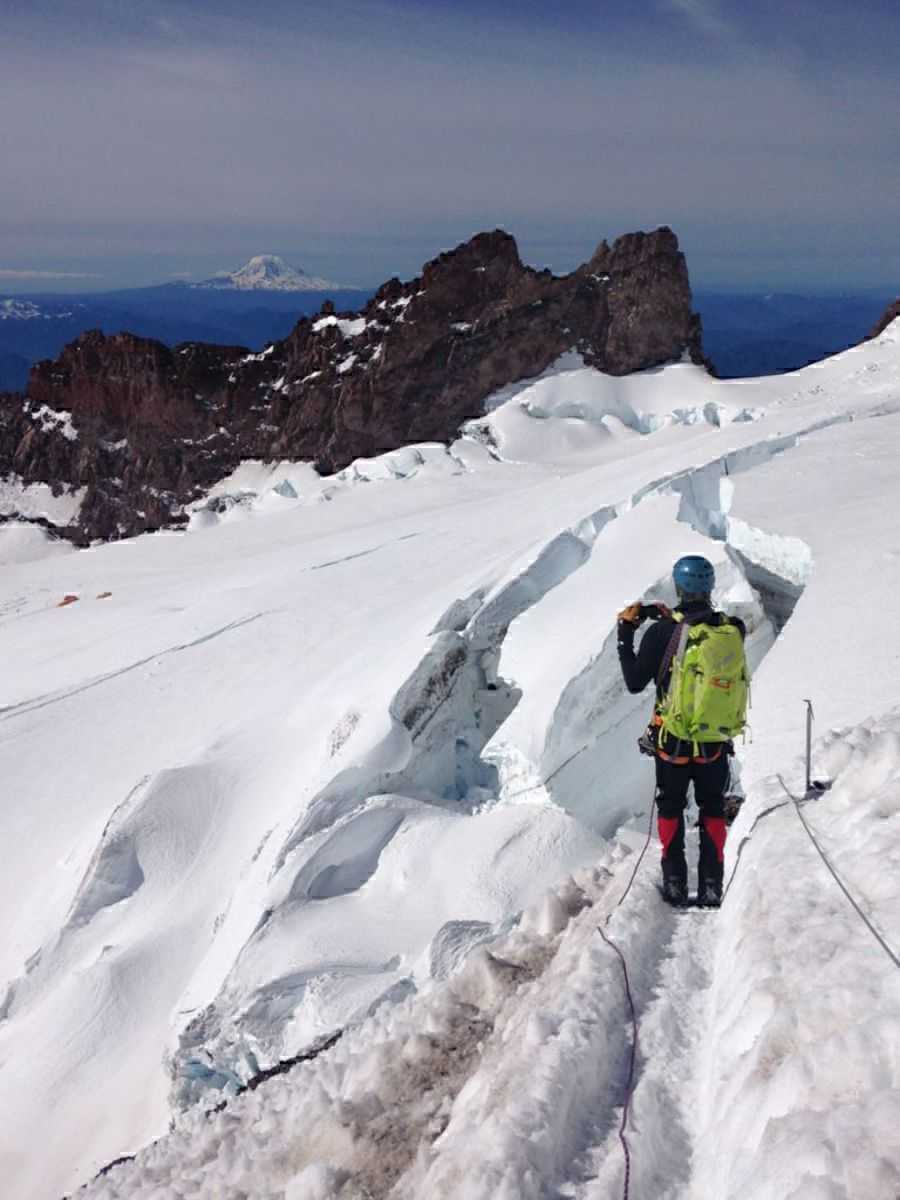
(797, 801)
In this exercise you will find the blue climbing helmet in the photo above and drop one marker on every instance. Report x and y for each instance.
(694, 576)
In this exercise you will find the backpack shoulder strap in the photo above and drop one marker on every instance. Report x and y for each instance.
(683, 621)
(705, 616)
(672, 647)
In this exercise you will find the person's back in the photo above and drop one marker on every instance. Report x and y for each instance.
(700, 758)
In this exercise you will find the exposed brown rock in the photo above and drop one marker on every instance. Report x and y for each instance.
(891, 313)
(150, 429)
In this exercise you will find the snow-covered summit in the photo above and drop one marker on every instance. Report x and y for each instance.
(267, 273)
(26, 310)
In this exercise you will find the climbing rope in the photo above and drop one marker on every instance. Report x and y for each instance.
(637, 865)
(541, 783)
(629, 1083)
(746, 838)
(796, 801)
(813, 792)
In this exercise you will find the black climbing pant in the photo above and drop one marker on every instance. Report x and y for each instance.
(710, 780)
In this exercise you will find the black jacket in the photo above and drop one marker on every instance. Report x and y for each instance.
(639, 669)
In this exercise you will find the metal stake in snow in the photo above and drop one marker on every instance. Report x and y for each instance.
(809, 725)
(814, 787)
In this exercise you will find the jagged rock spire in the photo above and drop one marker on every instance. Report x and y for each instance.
(156, 427)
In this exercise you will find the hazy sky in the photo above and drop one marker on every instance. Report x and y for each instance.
(357, 138)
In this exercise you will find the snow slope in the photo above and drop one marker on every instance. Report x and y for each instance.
(301, 769)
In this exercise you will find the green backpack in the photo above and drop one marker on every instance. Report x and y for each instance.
(709, 689)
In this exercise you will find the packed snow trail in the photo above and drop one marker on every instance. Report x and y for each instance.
(508, 1062)
(224, 853)
(768, 1045)
(670, 1032)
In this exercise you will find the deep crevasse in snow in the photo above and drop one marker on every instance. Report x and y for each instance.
(355, 803)
(505, 1080)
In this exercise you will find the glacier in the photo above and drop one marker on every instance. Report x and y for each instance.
(351, 757)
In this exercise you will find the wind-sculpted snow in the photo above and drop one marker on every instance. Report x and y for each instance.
(444, 716)
(347, 859)
(644, 402)
(360, 1121)
(301, 772)
(504, 1080)
(441, 719)
(801, 1074)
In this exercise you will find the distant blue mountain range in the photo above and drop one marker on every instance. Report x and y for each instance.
(742, 334)
(770, 334)
(38, 326)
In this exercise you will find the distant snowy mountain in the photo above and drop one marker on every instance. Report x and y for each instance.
(267, 273)
(476, 320)
(26, 310)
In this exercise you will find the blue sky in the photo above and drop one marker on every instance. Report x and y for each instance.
(357, 139)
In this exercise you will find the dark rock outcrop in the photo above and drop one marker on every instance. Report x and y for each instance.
(146, 430)
(891, 313)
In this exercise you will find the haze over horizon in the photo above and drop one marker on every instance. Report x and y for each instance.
(182, 139)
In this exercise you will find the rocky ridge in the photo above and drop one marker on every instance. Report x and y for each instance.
(890, 314)
(147, 430)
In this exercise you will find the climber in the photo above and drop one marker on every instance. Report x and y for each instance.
(696, 656)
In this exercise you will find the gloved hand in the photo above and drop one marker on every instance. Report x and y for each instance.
(632, 615)
(635, 614)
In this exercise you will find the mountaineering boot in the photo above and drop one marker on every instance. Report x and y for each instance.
(674, 891)
(710, 868)
(709, 893)
(674, 865)
(671, 838)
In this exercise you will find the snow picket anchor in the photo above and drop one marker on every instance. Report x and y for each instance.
(814, 787)
(809, 725)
